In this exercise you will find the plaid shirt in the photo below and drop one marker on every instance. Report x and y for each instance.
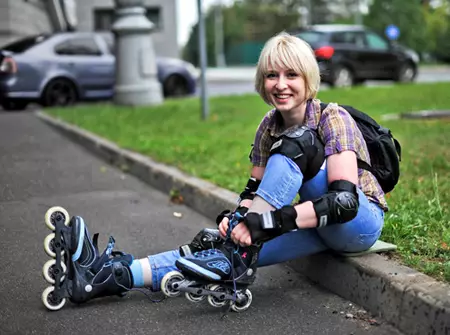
(338, 131)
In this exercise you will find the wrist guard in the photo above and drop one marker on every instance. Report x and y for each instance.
(228, 214)
(250, 189)
(264, 227)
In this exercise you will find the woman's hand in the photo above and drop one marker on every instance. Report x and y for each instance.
(240, 234)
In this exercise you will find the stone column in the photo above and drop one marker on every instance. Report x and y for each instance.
(136, 72)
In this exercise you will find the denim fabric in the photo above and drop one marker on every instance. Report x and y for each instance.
(161, 264)
(356, 235)
(279, 186)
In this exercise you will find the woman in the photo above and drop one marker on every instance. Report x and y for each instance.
(297, 149)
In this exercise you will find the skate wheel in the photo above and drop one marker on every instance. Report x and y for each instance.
(214, 301)
(50, 271)
(243, 306)
(169, 284)
(192, 297)
(49, 246)
(55, 214)
(50, 301)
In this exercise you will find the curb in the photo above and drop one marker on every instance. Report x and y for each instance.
(414, 303)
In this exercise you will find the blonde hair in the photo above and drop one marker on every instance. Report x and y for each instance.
(290, 52)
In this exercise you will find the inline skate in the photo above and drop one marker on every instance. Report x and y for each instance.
(221, 275)
(77, 271)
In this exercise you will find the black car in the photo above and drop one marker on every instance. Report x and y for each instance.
(350, 54)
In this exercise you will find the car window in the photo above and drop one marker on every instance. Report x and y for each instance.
(24, 44)
(78, 46)
(311, 36)
(376, 42)
(348, 37)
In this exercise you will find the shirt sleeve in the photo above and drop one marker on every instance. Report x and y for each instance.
(338, 130)
(262, 143)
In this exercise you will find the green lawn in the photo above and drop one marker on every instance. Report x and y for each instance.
(217, 150)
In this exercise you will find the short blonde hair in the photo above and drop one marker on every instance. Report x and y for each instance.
(290, 52)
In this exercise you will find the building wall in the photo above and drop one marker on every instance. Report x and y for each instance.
(164, 36)
(19, 18)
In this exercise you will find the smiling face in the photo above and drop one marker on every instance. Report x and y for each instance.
(287, 73)
(285, 89)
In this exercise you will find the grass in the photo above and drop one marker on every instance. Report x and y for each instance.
(217, 150)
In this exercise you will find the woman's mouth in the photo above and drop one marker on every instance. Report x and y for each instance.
(282, 98)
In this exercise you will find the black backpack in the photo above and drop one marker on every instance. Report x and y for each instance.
(384, 149)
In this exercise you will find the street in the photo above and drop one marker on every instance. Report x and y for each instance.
(245, 86)
(40, 168)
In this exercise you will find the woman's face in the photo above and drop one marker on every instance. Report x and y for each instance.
(285, 89)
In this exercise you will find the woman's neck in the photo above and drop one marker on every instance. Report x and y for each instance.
(295, 116)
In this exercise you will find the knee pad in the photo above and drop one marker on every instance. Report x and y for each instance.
(304, 147)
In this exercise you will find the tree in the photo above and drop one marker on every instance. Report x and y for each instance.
(408, 15)
(438, 31)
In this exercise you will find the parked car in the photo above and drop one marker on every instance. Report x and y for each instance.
(351, 54)
(60, 69)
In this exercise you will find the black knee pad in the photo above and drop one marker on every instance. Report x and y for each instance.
(304, 147)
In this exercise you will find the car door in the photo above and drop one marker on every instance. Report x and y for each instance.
(382, 59)
(88, 65)
(350, 50)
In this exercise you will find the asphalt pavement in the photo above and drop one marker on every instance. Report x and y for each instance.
(40, 168)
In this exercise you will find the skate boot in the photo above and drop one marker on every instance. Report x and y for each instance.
(207, 238)
(77, 271)
(221, 275)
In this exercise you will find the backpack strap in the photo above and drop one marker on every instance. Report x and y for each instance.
(361, 164)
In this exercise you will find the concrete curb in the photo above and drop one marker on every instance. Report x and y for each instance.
(413, 302)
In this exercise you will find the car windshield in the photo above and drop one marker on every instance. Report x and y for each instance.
(24, 44)
(311, 36)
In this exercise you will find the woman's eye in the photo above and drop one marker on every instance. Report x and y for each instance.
(270, 75)
(292, 74)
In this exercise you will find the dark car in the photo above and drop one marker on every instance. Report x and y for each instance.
(60, 69)
(351, 54)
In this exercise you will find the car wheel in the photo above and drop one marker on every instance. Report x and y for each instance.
(406, 73)
(14, 105)
(59, 92)
(342, 77)
(175, 86)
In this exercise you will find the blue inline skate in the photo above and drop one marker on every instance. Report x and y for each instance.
(77, 271)
(221, 275)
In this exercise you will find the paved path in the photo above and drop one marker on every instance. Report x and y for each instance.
(40, 168)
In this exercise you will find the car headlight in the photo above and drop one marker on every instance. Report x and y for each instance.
(192, 70)
(414, 56)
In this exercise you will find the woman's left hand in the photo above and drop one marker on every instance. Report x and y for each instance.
(241, 235)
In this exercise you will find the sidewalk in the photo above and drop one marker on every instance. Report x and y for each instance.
(411, 301)
(41, 168)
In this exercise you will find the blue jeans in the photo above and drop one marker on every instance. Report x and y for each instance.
(279, 186)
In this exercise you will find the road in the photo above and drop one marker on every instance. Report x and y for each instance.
(226, 87)
(41, 168)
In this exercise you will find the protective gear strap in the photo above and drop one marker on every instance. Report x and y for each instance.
(228, 214)
(250, 189)
(302, 146)
(265, 226)
(339, 205)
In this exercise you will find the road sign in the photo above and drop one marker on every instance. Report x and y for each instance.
(392, 32)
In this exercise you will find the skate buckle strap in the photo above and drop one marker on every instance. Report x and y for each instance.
(234, 221)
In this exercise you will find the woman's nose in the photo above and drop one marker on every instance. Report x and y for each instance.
(281, 83)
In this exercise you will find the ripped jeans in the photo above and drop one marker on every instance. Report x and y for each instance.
(279, 186)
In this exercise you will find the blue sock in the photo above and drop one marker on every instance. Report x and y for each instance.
(138, 276)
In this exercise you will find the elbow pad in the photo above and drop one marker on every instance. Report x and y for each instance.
(339, 205)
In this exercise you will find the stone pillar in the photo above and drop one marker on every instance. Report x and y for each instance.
(136, 72)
